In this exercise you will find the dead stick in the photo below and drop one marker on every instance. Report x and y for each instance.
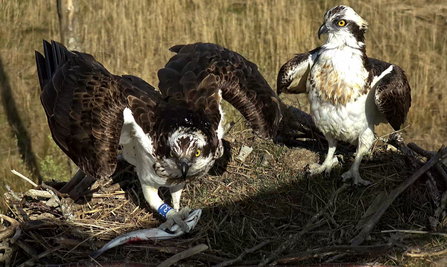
(242, 255)
(30, 262)
(28, 250)
(321, 252)
(426, 253)
(429, 155)
(293, 239)
(52, 189)
(324, 265)
(11, 230)
(24, 178)
(441, 207)
(183, 255)
(396, 192)
(174, 250)
(420, 151)
(413, 232)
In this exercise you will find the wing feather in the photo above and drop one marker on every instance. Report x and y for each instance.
(293, 74)
(392, 91)
(84, 105)
(237, 79)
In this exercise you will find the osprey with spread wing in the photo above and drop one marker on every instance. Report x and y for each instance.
(348, 92)
(170, 136)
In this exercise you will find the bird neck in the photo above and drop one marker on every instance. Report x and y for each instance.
(344, 39)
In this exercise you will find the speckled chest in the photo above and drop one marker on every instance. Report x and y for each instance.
(338, 93)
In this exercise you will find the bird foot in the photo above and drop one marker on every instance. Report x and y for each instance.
(325, 167)
(177, 217)
(356, 179)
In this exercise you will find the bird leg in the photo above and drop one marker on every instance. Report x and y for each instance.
(177, 217)
(172, 215)
(330, 160)
(354, 173)
(176, 192)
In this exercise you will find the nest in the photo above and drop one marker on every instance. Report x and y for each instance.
(261, 209)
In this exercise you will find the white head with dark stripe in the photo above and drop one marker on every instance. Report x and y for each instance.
(190, 153)
(344, 28)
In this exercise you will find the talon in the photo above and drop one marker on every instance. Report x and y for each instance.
(167, 224)
(177, 217)
(325, 167)
(356, 179)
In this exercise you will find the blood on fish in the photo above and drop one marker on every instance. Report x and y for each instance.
(133, 239)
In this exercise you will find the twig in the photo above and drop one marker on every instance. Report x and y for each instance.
(394, 132)
(413, 232)
(441, 200)
(16, 235)
(420, 150)
(24, 178)
(393, 195)
(30, 262)
(242, 255)
(29, 250)
(114, 194)
(426, 253)
(435, 218)
(34, 193)
(325, 251)
(52, 189)
(174, 250)
(429, 155)
(183, 255)
(11, 230)
(293, 239)
(325, 265)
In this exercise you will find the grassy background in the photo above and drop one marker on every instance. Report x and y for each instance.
(133, 37)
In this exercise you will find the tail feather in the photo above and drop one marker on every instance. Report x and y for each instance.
(41, 70)
(50, 63)
(55, 55)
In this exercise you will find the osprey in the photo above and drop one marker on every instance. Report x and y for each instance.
(169, 136)
(348, 92)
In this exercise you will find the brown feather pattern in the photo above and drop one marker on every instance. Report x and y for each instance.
(84, 104)
(293, 74)
(238, 80)
(393, 93)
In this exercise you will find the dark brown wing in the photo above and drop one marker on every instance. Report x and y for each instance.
(293, 74)
(84, 104)
(238, 79)
(392, 91)
(190, 101)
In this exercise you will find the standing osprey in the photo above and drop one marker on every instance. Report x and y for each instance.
(169, 137)
(349, 93)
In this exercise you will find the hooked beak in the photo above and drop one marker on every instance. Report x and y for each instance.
(323, 29)
(184, 167)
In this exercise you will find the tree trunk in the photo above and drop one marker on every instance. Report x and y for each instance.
(68, 11)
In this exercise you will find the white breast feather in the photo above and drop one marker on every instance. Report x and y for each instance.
(138, 151)
(343, 122)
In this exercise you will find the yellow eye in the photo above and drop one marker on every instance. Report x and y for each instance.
(342, 23)
(198, 152)
(171, 154)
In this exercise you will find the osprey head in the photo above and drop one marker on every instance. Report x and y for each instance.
(344, 28)
(189, 155)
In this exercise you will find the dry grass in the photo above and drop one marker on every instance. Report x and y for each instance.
(133, 37)
(248, 204)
